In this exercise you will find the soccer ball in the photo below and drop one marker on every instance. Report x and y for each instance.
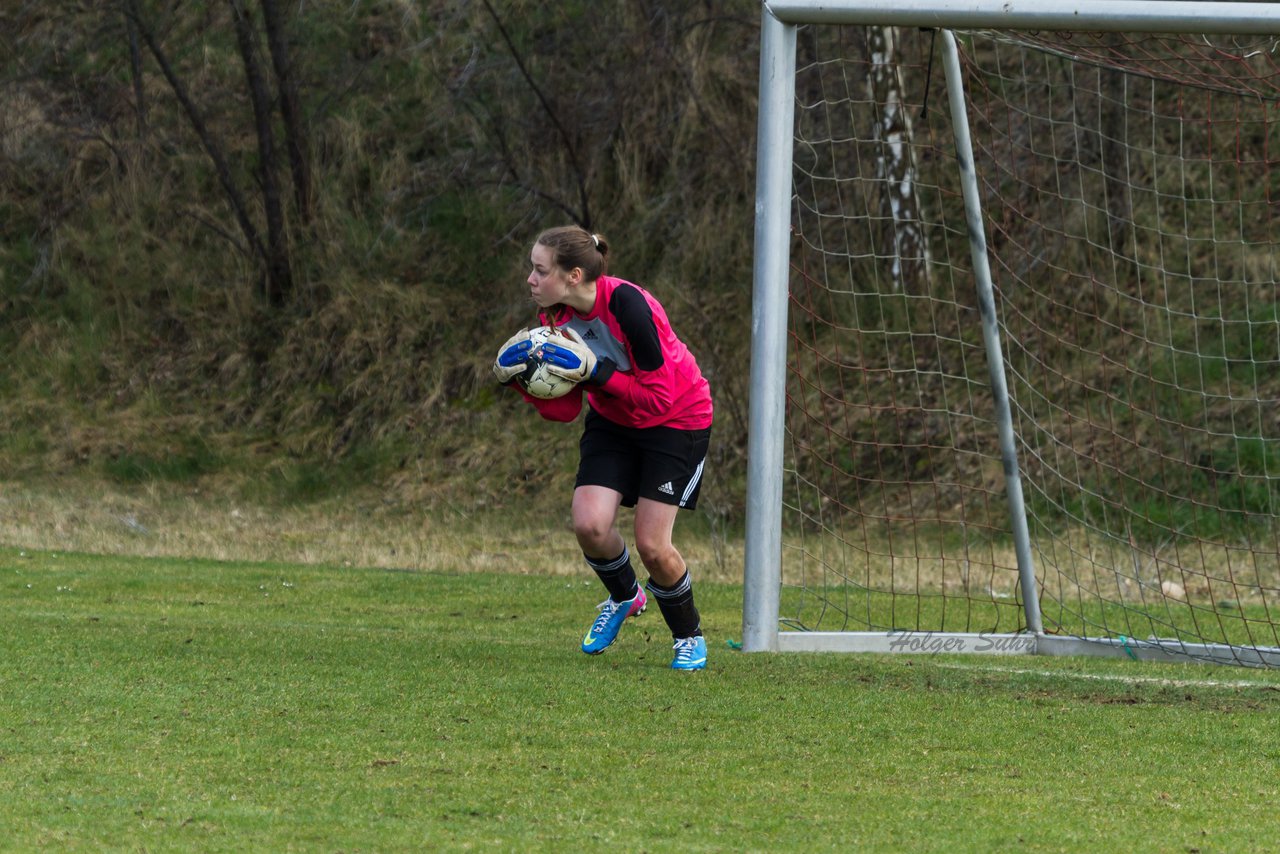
(536, 379)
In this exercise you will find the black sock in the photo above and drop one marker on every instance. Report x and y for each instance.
(676, 604)
(617, 575)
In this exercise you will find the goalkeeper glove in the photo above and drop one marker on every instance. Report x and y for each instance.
(513, 357)
(569, 356)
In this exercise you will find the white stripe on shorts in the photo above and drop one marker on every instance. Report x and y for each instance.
(693, 482)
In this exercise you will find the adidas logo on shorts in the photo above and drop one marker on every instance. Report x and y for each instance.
(667, 488)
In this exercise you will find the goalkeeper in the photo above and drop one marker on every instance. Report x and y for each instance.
(646, 433)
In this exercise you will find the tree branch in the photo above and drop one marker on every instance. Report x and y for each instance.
(585, 219)
(211, 147)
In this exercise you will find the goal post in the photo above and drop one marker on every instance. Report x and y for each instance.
(997, 252)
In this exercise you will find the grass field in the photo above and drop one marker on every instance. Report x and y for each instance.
(172, 704)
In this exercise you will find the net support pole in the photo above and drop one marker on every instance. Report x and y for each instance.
(762, 575)
(991, 330)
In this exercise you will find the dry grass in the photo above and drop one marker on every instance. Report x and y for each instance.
(1070, 563)
(354, 530)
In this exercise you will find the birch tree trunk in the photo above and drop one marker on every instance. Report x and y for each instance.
(902, 237)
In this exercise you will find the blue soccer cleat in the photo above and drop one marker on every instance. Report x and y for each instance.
(604, 631)
(691, 654)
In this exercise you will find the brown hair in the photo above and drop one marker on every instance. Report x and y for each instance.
(572, 246)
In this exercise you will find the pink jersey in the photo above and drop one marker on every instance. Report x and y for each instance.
(656, 382)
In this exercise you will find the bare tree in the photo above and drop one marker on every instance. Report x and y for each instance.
(295, 135)
(1113, 93)
(278, 282)
(135, 69)
(582, 215)
(212, 147)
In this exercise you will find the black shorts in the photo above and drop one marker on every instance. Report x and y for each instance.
(661, 463)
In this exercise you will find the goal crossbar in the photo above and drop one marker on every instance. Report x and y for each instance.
(1152, 16)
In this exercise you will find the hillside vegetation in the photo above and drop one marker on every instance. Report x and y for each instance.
(292, 276)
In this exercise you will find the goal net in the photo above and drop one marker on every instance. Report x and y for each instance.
(1042, 414)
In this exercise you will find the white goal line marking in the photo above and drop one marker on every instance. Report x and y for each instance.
(1116, 677)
